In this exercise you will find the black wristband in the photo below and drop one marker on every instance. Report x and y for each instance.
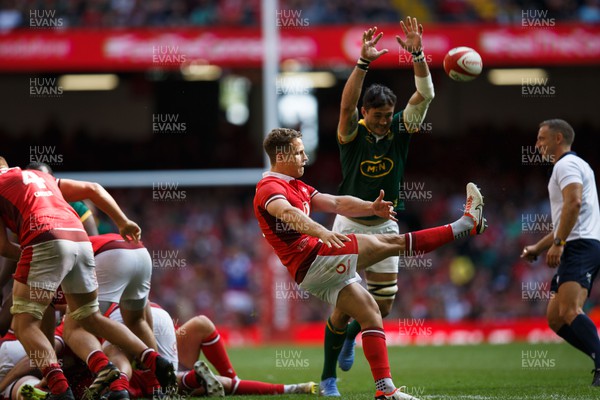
(418, 56)
(363, 64)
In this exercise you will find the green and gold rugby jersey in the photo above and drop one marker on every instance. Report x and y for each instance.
(81, 209)
(369, 165)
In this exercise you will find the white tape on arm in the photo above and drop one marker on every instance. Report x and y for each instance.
(425, 87)
(414, 114)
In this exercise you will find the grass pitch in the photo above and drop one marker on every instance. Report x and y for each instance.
(481, 372)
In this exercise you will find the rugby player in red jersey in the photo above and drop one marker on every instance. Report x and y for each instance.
(55, 250)
(200, 381)
(325, 263)
(183, 345)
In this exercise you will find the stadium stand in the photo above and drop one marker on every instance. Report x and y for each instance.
(189, 13)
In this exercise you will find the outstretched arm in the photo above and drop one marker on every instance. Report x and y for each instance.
(416, 109)
(73, 190)
(348, 123)
(350, 206)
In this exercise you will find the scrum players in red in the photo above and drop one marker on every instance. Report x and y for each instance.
(124, 271)
(184, 344)
(54, 249)
(200, 381)
(325, 263)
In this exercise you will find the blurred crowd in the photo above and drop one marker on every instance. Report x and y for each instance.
(190, 13)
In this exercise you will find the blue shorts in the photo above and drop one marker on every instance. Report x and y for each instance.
(579, 263)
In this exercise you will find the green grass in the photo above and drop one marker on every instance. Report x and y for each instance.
(482, 372)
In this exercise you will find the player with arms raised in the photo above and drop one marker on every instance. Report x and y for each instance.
(373, 154)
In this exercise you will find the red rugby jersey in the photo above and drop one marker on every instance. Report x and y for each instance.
(31, 204)
(295, 250)
(110, 241)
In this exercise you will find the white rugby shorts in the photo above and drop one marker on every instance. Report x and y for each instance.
(346, 226)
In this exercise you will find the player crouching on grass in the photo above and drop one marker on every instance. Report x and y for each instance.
(184, 345)
(198, 333)
(325, 263)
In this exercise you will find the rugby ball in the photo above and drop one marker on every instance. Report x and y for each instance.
(463, 64)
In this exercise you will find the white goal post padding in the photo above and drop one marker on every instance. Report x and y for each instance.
(187, 178)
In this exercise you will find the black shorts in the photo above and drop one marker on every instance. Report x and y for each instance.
(579, 263)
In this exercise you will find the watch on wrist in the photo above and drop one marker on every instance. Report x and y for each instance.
(559, 242)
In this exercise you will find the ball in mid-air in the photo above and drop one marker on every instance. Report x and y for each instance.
(463, 64)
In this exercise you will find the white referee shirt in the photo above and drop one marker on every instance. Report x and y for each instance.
(570, 168)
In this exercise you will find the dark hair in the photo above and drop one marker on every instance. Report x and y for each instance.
(377, 96)
(40, 166)
(562, 126)
(279, 140)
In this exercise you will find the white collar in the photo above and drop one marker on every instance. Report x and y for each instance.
(286, 178)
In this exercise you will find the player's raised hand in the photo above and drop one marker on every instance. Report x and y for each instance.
(414, 35)
(334, 239)
(130, 231)
(382, 208)
(369, 41)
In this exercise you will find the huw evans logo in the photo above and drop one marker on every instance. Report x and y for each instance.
(44, 88)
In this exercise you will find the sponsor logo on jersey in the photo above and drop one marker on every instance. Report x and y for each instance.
(378, 168)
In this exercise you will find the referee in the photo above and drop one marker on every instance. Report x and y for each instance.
(574, 244)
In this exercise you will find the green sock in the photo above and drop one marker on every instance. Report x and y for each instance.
(334, 339)
(353, 330)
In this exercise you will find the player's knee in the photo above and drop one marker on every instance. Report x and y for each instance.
(554, 321)
(371, 309)
(339, 319)
(372, 319)
(203, 324)
(566, 315)
(338, 323)
(22, 305)
(85, 310)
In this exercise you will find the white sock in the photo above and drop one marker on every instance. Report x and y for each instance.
(385, 385)
(462, 227)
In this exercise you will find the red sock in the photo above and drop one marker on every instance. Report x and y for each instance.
(259, 388)
(148, 358)
(190, 381)
(122, 383)
(215, 353)
(421, 242)
(57, 383)
(96, 360)
(376, 352)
